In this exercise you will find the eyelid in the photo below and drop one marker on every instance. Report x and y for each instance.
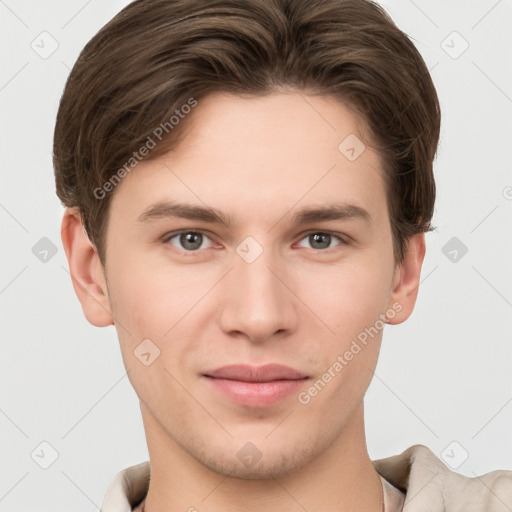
(171, 234)
(343, 238)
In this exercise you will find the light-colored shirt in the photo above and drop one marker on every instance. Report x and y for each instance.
(414, 481)
(393, 498)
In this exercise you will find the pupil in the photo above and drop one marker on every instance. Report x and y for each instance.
(321, 240)
(191, 241)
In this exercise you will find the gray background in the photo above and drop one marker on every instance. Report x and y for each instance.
(443, 377)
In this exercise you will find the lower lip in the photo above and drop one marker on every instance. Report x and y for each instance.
(257, 394)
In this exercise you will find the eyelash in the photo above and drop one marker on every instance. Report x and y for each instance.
(168, 237)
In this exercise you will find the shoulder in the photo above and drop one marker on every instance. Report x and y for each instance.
(127, 488)
(430, 485)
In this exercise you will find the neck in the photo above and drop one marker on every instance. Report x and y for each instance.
(342, 478)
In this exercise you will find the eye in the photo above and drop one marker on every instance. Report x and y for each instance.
(188, 240)
(321, 240)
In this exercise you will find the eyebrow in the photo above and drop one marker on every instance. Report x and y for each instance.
(168, 209)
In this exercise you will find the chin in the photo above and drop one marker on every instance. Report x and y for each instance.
(257, 461)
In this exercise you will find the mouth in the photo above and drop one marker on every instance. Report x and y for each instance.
(255, 386)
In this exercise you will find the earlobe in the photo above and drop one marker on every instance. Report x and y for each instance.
(407, 280)
(86, 271)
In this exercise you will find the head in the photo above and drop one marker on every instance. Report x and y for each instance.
(248, 184)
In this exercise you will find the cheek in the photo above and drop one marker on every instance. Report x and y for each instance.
(160, 303)
(146, 298)
(348, 297)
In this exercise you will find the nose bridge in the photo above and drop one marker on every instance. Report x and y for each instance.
(259, 305)
(257, 282)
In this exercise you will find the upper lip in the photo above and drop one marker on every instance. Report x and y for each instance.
(248, 373)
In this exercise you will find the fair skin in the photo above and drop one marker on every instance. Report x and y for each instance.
(301, 303)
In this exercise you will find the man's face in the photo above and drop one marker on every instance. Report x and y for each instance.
(267, 288)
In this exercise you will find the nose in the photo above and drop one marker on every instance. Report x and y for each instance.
(259, 303)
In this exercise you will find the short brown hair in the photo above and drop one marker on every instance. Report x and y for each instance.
(155, 55)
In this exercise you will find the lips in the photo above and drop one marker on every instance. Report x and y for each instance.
(255, 386)
(247, 373)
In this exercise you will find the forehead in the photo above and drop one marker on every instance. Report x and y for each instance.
(261, 152)
(284, 124)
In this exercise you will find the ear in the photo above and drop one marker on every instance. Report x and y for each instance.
(86, 270)
(406, 280)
